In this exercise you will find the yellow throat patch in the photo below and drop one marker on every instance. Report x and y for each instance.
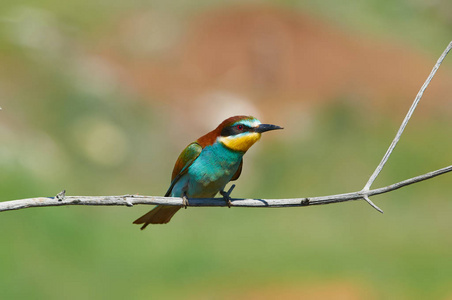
(241, 142)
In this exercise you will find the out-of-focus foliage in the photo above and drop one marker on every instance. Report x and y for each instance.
(72, 118)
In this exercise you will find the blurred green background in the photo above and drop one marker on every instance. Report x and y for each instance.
(99, 98)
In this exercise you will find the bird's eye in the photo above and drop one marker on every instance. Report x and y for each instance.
(240, 127)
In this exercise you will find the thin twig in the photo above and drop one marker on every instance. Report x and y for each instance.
(130, 200)
(402, 127)
(407, 118)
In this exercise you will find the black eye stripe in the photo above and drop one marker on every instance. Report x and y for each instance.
(234, 130)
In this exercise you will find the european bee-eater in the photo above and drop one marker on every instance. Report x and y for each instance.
(205, 167)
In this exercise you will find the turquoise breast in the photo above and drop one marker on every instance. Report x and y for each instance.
(209, 173)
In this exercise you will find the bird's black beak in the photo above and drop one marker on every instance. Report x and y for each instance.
(267, 127)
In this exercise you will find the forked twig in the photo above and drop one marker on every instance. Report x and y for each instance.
(402, 128)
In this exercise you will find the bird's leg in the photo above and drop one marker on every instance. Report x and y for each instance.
(226, 198)
(185, 200)
(226, 195)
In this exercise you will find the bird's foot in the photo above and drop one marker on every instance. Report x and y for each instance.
(185, 200)
(226, 198)
(226, 195)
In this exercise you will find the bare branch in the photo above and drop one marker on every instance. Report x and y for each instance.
(130, 200)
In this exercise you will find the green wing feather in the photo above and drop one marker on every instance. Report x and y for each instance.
(186, 158)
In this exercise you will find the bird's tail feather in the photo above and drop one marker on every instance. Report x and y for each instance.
(161, 214)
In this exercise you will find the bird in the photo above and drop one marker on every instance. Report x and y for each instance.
(207, 165)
